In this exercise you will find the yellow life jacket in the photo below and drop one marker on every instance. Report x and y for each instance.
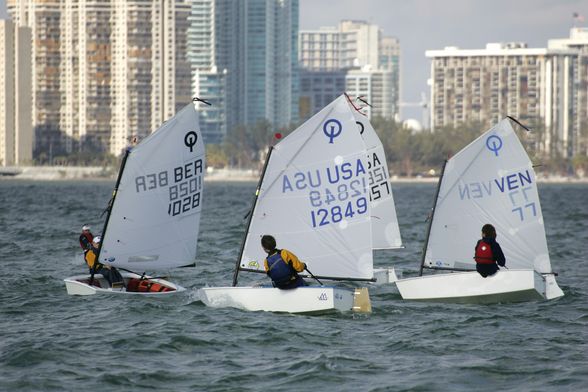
(90, 258)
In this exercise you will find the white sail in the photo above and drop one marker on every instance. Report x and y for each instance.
(490, 181)
(313, 198)
(385, 230)
(155, 217)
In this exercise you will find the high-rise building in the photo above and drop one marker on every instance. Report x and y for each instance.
(150, 69)
(358, 49)
(319, 50)
(16, 136)
(208, 82)
(103, 71)
(578, 41)
(359, 44)
(321, 88)
(534, 85)
(378, 87)
(244, 59)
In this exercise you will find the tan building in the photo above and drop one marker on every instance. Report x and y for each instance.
(534, 85)
(16, 135)
(104, 71)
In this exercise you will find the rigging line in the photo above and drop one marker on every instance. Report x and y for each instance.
(364, 101)
(311, 274)
(352, 104)
(518, 122)
(196, 99)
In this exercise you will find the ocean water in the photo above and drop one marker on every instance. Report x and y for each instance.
(50, 341)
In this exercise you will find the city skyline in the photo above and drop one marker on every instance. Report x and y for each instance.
(422, 25)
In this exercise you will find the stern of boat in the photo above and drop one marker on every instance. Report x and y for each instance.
(385, 275)
(552, 289)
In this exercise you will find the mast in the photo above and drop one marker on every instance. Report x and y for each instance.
(267, 159)
(431, 219)
(120, 172)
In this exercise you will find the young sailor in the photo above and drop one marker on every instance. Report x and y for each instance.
(488, 252)
(111, 274)
(281, 265)
(86, 238)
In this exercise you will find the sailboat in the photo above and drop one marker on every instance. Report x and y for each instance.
(489, 181)
(313, 198)
(385, 230)
(154, 214)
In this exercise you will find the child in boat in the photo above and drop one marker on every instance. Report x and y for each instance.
(488, 252)
(281, 265)
(111, 274)
(86, 238)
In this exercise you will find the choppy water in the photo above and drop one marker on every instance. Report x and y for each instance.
(50, 341)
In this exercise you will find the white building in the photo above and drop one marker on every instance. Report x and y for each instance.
(16, 135)
(535, 86)
(578, 41)
(370, 59)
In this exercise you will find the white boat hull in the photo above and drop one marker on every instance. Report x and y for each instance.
(79, 285)
(470, 287)
(385, 275)
(308, 299)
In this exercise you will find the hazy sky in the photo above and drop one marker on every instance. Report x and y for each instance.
(433, 24)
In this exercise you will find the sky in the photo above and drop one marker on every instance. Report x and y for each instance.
(422, 25)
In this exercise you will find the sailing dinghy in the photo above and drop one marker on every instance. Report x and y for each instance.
(154, 215)
(385, 230)
(313, 198)
(489, 181)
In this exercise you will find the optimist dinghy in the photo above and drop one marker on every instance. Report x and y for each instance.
(154, 215)
(385, 230)
(489, 181)
(313, 198)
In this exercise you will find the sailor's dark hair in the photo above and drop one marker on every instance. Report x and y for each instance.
(488, 231)
(268, 242)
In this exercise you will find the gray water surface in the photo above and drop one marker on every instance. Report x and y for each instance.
(50, 341)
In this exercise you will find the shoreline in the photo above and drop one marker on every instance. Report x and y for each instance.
(95, 173)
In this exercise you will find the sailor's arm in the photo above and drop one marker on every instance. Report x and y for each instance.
(291, 258)
(265, 265)
(499, 255)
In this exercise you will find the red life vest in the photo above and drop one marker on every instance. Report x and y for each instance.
(146, 286)
(484, 253)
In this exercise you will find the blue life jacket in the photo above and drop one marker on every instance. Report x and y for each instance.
(279, 271)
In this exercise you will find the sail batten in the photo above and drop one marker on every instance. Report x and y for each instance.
(154, 219)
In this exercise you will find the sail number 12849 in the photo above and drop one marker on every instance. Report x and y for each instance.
(335, 214)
